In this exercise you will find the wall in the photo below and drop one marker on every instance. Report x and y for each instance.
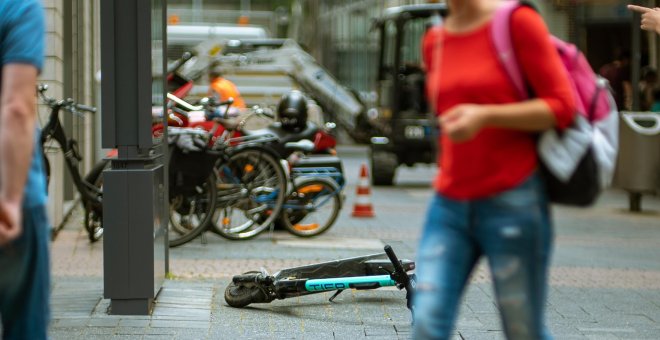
(70, 64)
(52, 74)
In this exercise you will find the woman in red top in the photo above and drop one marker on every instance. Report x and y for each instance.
(490, 201)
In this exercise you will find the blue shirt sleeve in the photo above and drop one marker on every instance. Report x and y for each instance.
(22, 33)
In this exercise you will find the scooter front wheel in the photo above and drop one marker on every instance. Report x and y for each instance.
(239, 295)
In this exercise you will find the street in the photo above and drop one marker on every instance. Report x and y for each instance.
(604, 282)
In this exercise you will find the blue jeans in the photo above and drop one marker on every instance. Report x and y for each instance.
(513, 230)
(25, 279)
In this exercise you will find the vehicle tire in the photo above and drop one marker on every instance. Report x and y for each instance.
(94, 210)
(93, 223)
(251, 189)
(383, 167)
(191, 212)
(312, 208)
(239, 296)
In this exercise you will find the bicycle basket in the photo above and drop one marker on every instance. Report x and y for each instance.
(189, 169)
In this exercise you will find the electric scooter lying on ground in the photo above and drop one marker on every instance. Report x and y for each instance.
(360, 273)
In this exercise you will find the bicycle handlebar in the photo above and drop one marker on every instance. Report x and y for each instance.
(66, 104)
(210, 102)
(264, 112)
(86, 108)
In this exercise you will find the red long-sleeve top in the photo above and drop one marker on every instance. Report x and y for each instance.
(496, 159)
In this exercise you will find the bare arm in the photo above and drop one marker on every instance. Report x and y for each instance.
(17, 125)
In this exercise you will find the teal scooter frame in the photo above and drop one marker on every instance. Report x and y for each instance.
(360, 273)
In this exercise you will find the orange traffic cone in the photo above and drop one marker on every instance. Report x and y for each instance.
(363, 207)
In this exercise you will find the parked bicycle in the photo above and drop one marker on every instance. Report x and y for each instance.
(315, 195)
(313, 184)
(89, 187)
(250, 182)
(236, 181)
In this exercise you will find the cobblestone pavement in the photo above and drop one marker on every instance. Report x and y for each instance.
(605, 279)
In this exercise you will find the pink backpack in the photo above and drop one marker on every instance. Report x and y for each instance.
(578, 162)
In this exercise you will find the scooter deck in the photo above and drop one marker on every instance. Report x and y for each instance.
(374, 264)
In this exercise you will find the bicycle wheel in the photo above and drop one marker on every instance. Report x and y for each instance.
(251, 188)
(94, 210)
(312, 208)
(191, 211)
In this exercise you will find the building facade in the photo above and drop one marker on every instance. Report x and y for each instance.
(336, 32)
(71, 69)
(339, 35)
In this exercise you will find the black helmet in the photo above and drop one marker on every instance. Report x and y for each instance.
(292, 110)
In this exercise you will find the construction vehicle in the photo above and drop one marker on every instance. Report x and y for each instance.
(403, 128)
(264, 74)
(399, 127)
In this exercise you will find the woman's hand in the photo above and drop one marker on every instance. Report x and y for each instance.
(462, 122)
(650, 17)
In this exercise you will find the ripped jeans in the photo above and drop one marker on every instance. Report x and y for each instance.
(513, 231)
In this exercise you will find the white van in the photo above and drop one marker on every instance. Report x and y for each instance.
(182, 38)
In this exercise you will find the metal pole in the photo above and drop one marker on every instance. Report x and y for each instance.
(134, 242)
(636, 58)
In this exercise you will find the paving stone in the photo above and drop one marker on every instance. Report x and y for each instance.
(178, 324)
(349, 334)
(139, 323)
(103, 322)
(157, 337)
(602, 336)
(130, 330)
(99, 332)
(67, 334)
(481, 335)
(160, 331)
(70, 323)
(604, 283)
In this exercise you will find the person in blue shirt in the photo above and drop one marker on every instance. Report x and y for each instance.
(24, 229)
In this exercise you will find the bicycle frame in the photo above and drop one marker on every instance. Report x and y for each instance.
(54, 130)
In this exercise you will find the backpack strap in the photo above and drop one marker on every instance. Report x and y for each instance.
(503, 43)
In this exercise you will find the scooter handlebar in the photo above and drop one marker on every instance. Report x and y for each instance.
(400, 276)
(258, 278)
(398, 268)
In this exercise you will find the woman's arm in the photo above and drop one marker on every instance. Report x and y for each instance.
(462, 122)
(541, 65)
(553, 105)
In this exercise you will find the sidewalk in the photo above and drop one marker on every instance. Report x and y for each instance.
(605, 279)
